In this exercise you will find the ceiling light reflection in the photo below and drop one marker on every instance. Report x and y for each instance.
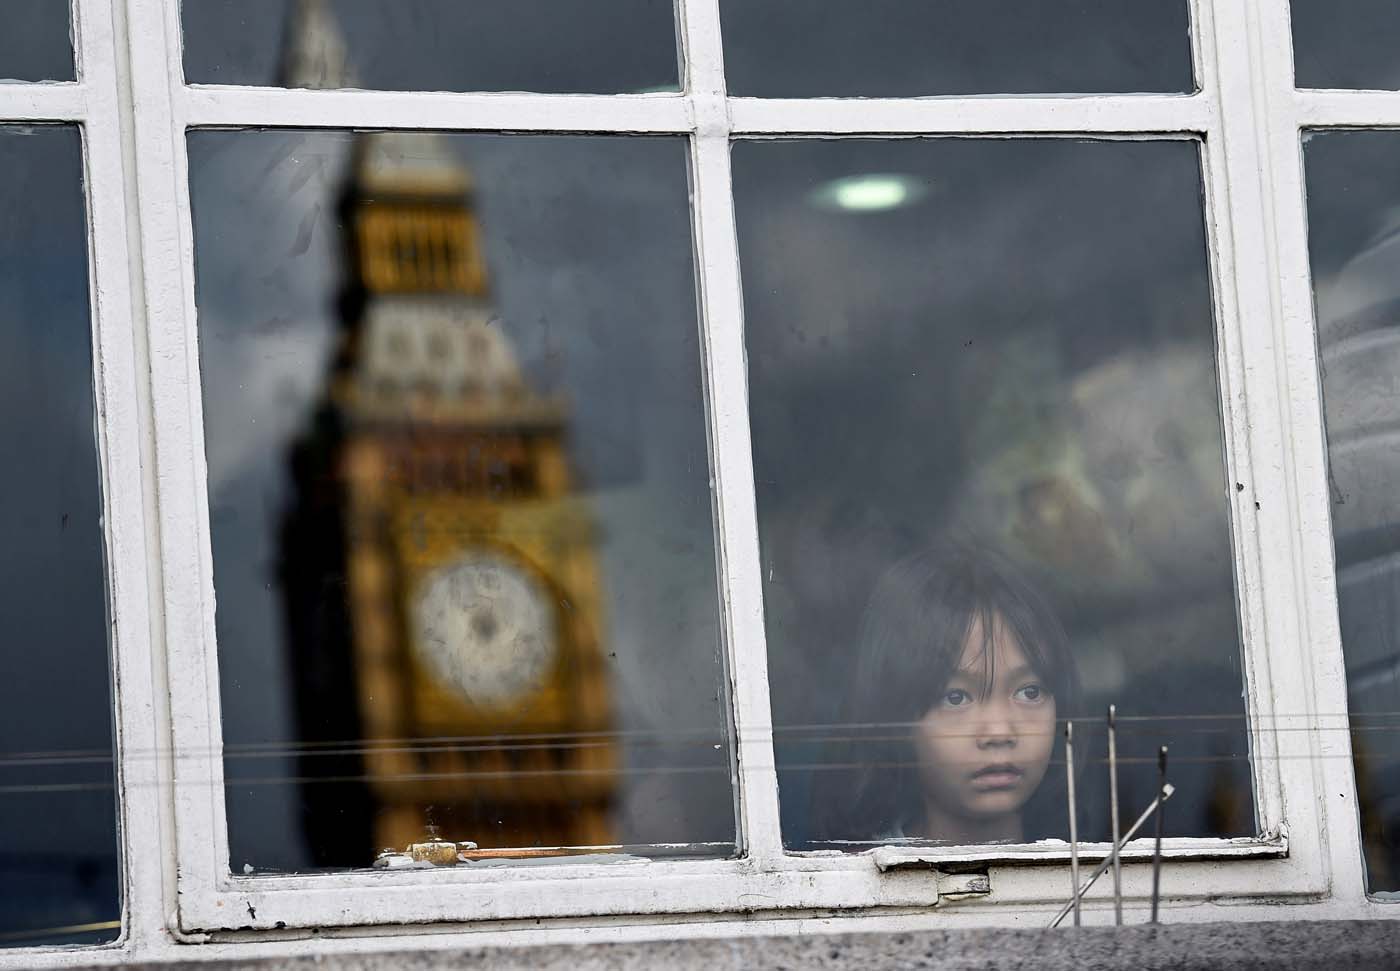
(871, 192)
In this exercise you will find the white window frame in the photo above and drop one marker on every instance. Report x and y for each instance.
(211, 899)
(92, 103)
(134, 109)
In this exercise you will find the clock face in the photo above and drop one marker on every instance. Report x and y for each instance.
(484, 628)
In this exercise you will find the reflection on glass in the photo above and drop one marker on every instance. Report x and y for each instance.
(1351, 44)
(904, 48)
(1353, 183)
(991, 495)
(459, 495)
(35, 44)
(603, 47)
(58, 856)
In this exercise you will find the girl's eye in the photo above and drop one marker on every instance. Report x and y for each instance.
(956, 698)
(1030, 692)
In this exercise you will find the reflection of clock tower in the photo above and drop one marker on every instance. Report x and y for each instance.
(471, 586)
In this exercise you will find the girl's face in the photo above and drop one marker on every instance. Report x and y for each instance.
(984, 745)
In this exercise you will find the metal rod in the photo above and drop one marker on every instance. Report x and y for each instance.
(1073, 820)
(1103, 867)
(1113, 812)
(1157, 847)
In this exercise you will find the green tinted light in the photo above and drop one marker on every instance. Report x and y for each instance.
(869, 193)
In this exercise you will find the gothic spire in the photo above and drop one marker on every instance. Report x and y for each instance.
(315, 55)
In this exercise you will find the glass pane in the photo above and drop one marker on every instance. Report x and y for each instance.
(603, 47)
(1346, 43)
(903, 48)
(35, 44)
(59, 881)
(459, 495)
(1353, 181)
(984, 403)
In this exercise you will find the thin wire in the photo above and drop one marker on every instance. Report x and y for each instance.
(852, 731)
(502, 744)
(724, 769)
(464, 775)
(434, 745)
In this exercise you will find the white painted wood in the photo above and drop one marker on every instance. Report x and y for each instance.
(1224, 220)
(679, 887)
(736, 516)
(1280, 114)
(143, 701)
(989, 114)
(121, 449)
(1340, 109)
(64, 101)
(208, 105)
(200, 839)
(1262, 537)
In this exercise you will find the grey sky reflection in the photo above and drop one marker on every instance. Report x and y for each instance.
(1038, 323)
(52, 594)
(35, 44)
(604, 46)
(1346, 43)
(903, 48)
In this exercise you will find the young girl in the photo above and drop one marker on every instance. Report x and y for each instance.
(961, 675)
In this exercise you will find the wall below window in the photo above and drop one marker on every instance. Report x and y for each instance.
(1329, 945)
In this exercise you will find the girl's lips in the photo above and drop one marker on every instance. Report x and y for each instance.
(1003, 776)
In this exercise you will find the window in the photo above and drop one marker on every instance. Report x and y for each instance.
(58, 781)
(73, 601)
(1348, 173)
(465, 568)
(530, 435)
(335, 477)
(1014, 361)
(1351, 195)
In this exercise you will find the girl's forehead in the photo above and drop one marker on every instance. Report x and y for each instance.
(998, 646)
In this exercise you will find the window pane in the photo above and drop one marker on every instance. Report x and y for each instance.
(1353, 181)
(983, 389)
(604, 46)
(901, 48)
(459, 495)
(58, 852)
(1346, 43)
(35, 44)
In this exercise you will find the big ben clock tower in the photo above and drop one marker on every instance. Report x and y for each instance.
(471, 617)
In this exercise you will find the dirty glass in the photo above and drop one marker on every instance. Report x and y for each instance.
(1346, 43)
(561, 46)
(459, 495)
(989, 464)
(906, 48)
(1353, 183)
(58, 851)
(35, 44)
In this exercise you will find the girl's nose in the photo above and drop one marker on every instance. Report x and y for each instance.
(996, 729)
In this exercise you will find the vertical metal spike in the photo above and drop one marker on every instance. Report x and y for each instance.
(1073, 819)
(1117, 848)
(1113, 812)
(1157, 849)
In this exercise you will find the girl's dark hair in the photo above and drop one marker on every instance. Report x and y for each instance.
(912, 637)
